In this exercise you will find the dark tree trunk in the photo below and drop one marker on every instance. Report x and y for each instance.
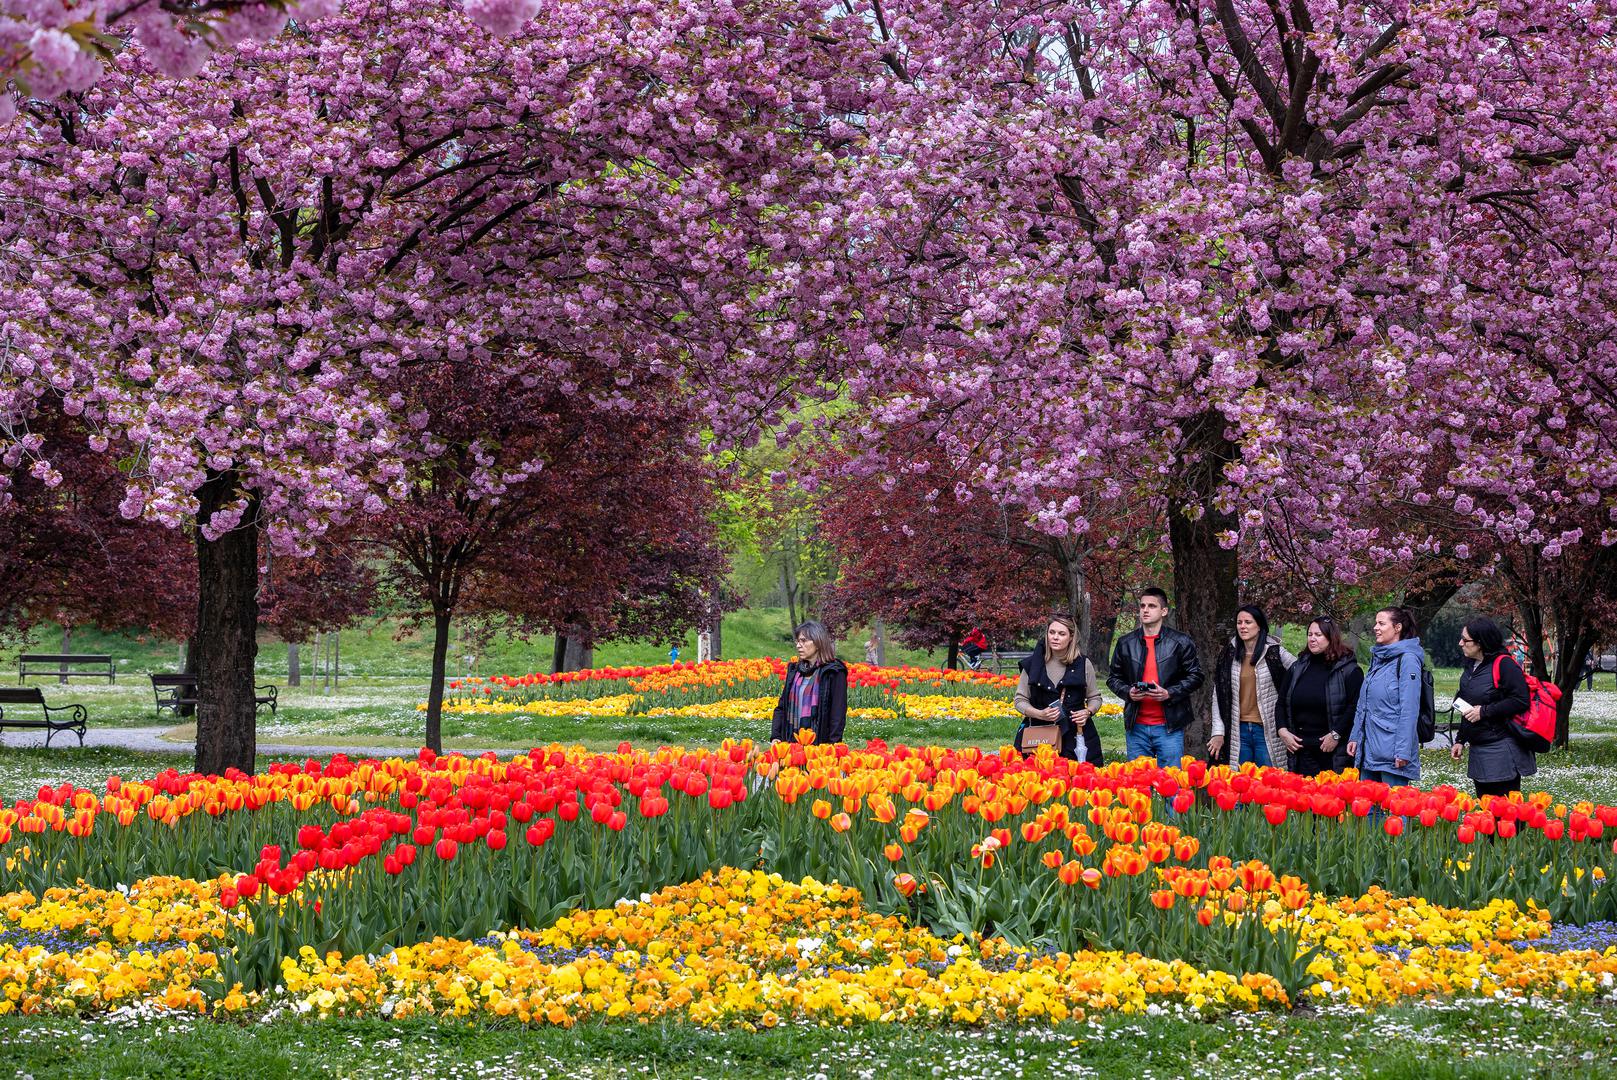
(1569, 654)
(1099, 645)
(1204, 573)
(227, 624)
(188, 666)
(580, 653)
(1425, 603)
(716, 638)
(435, 691)
(788, 591)
(294, 669)
(954, 652)
(67, 647)
(1070, 559)
(558, 655)
(1565, 585)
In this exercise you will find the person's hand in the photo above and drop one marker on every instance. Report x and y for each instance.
(1290, 741)
(1473, 714)
(1136, 694)
(1328, 743)
(1081, 717)
(1157, 693)
(1352, 748)
(1051, 713)
(1457, 751)
(1215, 745)
(1400, 762)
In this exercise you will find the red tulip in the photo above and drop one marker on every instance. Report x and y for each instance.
(446, 849)
(1393, 826)
(1275, 814)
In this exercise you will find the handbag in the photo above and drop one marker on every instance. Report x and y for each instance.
(1036, 735)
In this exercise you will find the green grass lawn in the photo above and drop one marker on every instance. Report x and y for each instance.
(389, 647)
(1456, 1039)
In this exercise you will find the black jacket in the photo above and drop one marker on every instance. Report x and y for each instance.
(1073, 690)
(1178, 671)
(830, 711)
(1499, 703)
(1342, 685)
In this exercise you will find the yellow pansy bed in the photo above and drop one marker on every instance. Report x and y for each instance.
(749, 949)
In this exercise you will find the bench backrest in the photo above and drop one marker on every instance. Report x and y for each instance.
(174, 680)
(23, 695)
(63, 658)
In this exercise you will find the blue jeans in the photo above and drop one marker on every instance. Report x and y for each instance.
(1254, 747)
(1156, 741)
(1388, 778)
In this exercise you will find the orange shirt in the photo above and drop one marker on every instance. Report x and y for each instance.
(1150, 711)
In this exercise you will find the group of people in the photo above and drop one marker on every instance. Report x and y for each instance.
(1311, 713)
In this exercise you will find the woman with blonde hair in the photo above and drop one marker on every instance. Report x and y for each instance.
(1058, 696)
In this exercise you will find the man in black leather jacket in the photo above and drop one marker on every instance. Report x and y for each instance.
(1155, 670)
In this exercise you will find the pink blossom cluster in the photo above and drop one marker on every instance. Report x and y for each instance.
(52, 47)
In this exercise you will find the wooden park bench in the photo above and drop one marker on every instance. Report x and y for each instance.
(1007, 662)
(32, 695)
(176, 691)
(65, 665)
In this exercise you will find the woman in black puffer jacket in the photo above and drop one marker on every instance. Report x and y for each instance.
(1314, 712)
(1498, 759)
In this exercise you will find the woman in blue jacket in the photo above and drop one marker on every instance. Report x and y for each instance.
(1384, 743)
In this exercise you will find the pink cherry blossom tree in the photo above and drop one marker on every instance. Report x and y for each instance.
(1217, 255)
(222, 276)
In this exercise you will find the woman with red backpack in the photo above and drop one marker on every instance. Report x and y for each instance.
(1493, 692)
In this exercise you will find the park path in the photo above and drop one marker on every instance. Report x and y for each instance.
(152, 740)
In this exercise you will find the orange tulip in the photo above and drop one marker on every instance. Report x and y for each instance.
(893, 852)
(822, 809)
